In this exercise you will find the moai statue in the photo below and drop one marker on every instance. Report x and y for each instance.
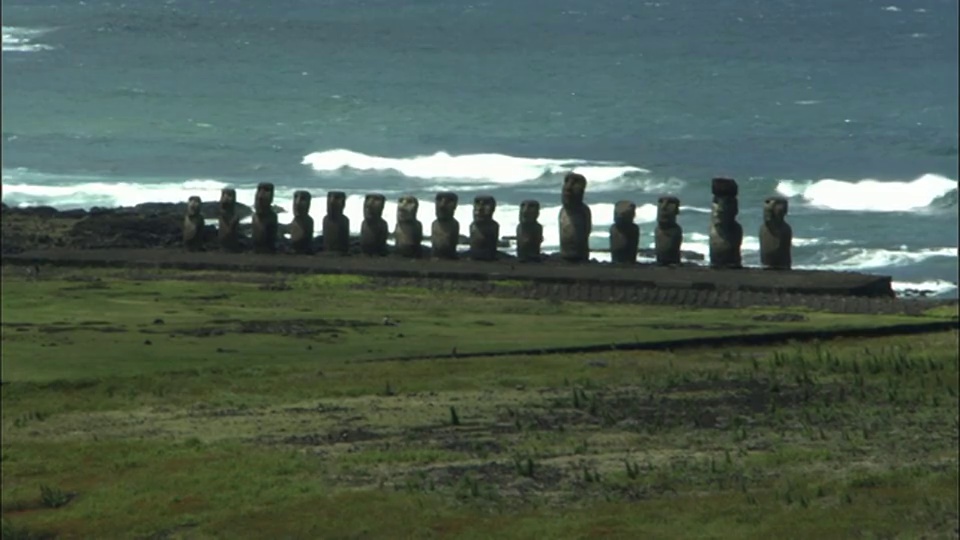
(336, 226)
(575, 220)
(445, 233)
(264, 220)
(301, 229)
(726, 235)
(484, 231)
(776, 236)
(228, 227)
(374, 229)
(408, 236)
(193, 226)
(624, 233)
(668, 236)
(529, 232)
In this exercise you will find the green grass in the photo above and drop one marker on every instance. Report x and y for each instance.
(105, 437)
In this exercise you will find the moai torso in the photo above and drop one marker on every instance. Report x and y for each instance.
(408, 236)
(668, 236)
(445, 232)
(726, 235)
(575, 220)
(228, 226)
(193, 226)
(776, 235)
(529, 232)
(336, 226)
(264, 220)
(301, 229)
(484, 231)
(374, 230)
(624, 233)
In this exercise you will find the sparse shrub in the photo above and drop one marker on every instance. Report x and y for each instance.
(53, 497)
(633, 470)
(454, 418)
(525, 467)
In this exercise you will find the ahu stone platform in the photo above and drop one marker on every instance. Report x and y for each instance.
(632, 276)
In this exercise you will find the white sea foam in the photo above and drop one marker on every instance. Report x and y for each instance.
(891, 8)
(868, 259)
(17, 39)
(497, 169)
(870, 195)
(937, 287)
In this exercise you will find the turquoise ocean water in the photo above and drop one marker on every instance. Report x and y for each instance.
(847, 107)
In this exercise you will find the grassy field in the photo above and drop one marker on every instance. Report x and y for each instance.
(200, 405)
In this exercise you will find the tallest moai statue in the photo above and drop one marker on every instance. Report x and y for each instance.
(575, 220)
(726, 235)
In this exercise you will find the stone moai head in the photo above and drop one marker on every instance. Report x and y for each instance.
(574, 186)
(624, 212)
(193, 206)
(301, 203)
(529, 211)
(775, 210)
(336, 201)
(483, 208)
(407, 207)
(725, 206)
(446, 205)
(373, 206)
(668, 208)
(264, 198)
(228, 199)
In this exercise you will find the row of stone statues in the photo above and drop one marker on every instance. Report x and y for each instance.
(726, 234)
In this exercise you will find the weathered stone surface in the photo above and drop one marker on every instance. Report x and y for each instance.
(726, 234)
(724, 187)
(265, 225)
(193, 226)
(575, 220)
(301, 228)
(408, 236)
(668, 236)
(336, 226)
(776, 235)
(228, 223)
(445, 232)
(374, 230)
(529, 232)
(552, 277)
(484, 231)
(624, 233)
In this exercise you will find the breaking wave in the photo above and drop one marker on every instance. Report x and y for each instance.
(872, 195)
(487, 169)
(17, 39)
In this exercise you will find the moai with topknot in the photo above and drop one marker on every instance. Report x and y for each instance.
(193, 226)
(408, 236)
(228, 225)
(264, 220)
(484, 231)
(776, 235)
(445, 232)
(624, 233)
(301, 229)
(668, 236)
(726, 234)
(529, 232)
(374, 229)
(575, 220)
(336, 226)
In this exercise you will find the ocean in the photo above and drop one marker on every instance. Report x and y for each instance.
(849, 108)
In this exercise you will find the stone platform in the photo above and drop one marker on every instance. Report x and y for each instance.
(633, 277)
